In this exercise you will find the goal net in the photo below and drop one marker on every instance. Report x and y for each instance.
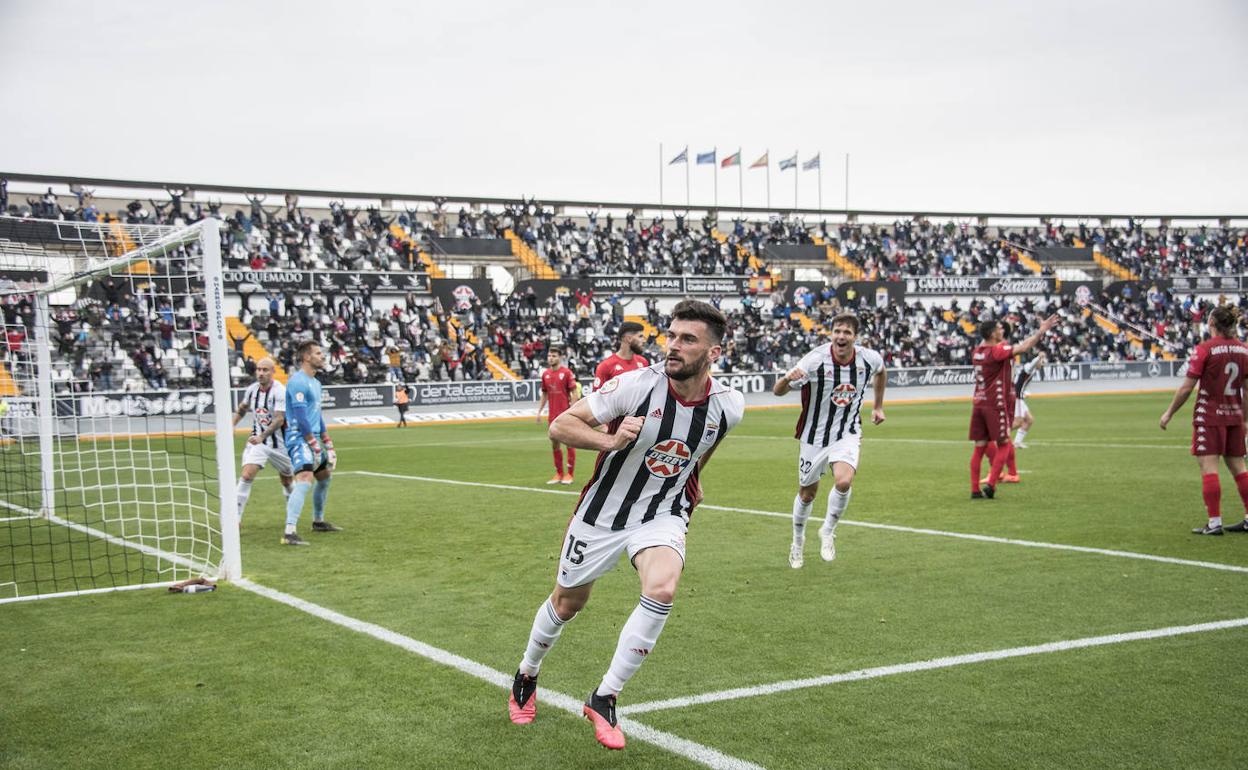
(116, 447)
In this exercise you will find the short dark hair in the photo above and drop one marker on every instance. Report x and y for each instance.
(697, 310)
(849, 319)
(987, 328)
(554, 349)
(304, 347)
(628, 327)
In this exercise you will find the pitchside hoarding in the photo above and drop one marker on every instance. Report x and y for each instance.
(377, 396)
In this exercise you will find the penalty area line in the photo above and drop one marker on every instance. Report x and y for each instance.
(929, 665)
(685, 748)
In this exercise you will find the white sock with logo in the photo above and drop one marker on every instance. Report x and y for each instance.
(244, 492)
(637, 639)
(801, 512)
(1018, 437)
(546, 629)
(838, 501)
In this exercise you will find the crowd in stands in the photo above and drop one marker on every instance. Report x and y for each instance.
(1170, 250)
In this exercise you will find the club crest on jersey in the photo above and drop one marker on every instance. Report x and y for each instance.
(668, 458)
(609, 386)
(843, 394)
(711, 429)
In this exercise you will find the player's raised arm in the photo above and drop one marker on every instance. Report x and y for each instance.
(1034, 339)
(575, 427)
(1180, 398)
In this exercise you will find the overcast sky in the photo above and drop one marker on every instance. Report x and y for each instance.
(1001, 106)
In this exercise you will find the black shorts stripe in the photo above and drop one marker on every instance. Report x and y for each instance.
(642, 477)
(814, 418)
(697, 424)
(612, 466)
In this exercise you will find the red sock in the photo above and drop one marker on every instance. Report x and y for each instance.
(1241, 483)
(990, 451)
(998, 462)
(558, 461)
(977, 463)
(571, 461)
(1010, 461)
(1212, 491)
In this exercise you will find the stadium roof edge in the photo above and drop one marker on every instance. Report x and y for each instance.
(362, 194)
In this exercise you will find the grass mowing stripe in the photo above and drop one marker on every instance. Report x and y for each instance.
(680, 746)
(928, 665)
(867, 524)
(951, 441)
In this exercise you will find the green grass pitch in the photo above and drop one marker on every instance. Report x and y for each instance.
(231, 679)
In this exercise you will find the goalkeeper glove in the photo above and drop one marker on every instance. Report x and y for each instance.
(331, 457)
(315, 446)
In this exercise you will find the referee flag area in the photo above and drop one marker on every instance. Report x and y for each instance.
(1072, 621)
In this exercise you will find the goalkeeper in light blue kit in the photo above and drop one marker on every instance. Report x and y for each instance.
(311, 452)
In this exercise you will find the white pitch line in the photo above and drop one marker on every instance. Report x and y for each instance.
(696, 752)
(18, 518)
(866, 524)
(928, 665)
(959, 442)
(674, 744)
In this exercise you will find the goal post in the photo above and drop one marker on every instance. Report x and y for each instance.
(116, 440)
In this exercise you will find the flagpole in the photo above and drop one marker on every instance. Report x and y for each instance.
(768, 155)
(687, 164)
(819, 169)
(797, 173)
(740, 182)
(715, 164)
(660, 175)
(846, 183)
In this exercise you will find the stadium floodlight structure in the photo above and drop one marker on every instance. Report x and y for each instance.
(116, 442)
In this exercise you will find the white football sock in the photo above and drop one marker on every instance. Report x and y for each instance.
(838, 501)
(801, 512)
(637, 639)
(546, 629)
(1022, 434)
(244, 491)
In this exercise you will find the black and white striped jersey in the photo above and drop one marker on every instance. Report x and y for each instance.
(649, 477)
(264, 405)
(832, 394)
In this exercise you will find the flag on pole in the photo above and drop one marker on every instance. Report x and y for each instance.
(788, 163)
(706, 157)
(732, 160)
(761, 162)
(683, 157)
(811, 164)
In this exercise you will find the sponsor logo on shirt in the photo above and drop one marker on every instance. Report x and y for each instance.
(668, 458)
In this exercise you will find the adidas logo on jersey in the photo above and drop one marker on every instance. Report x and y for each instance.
(657, 413)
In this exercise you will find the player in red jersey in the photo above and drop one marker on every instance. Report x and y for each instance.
(1218, 369)
(558, 388)
(627, 356)
(993, 409)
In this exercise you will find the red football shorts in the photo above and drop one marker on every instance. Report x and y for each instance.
(989, 424)
(1224, 440)
(554, 412)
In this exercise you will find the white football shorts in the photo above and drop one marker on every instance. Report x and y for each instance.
(262, 454)
(813, 461)
(590, 552)
(1020, 408)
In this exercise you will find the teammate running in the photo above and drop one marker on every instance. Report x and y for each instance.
(830, 426)
(1218, 368)
(665, 422)
(993, 403)
(627, 355)
(559, 390)
(266, 400)
(311, 452)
